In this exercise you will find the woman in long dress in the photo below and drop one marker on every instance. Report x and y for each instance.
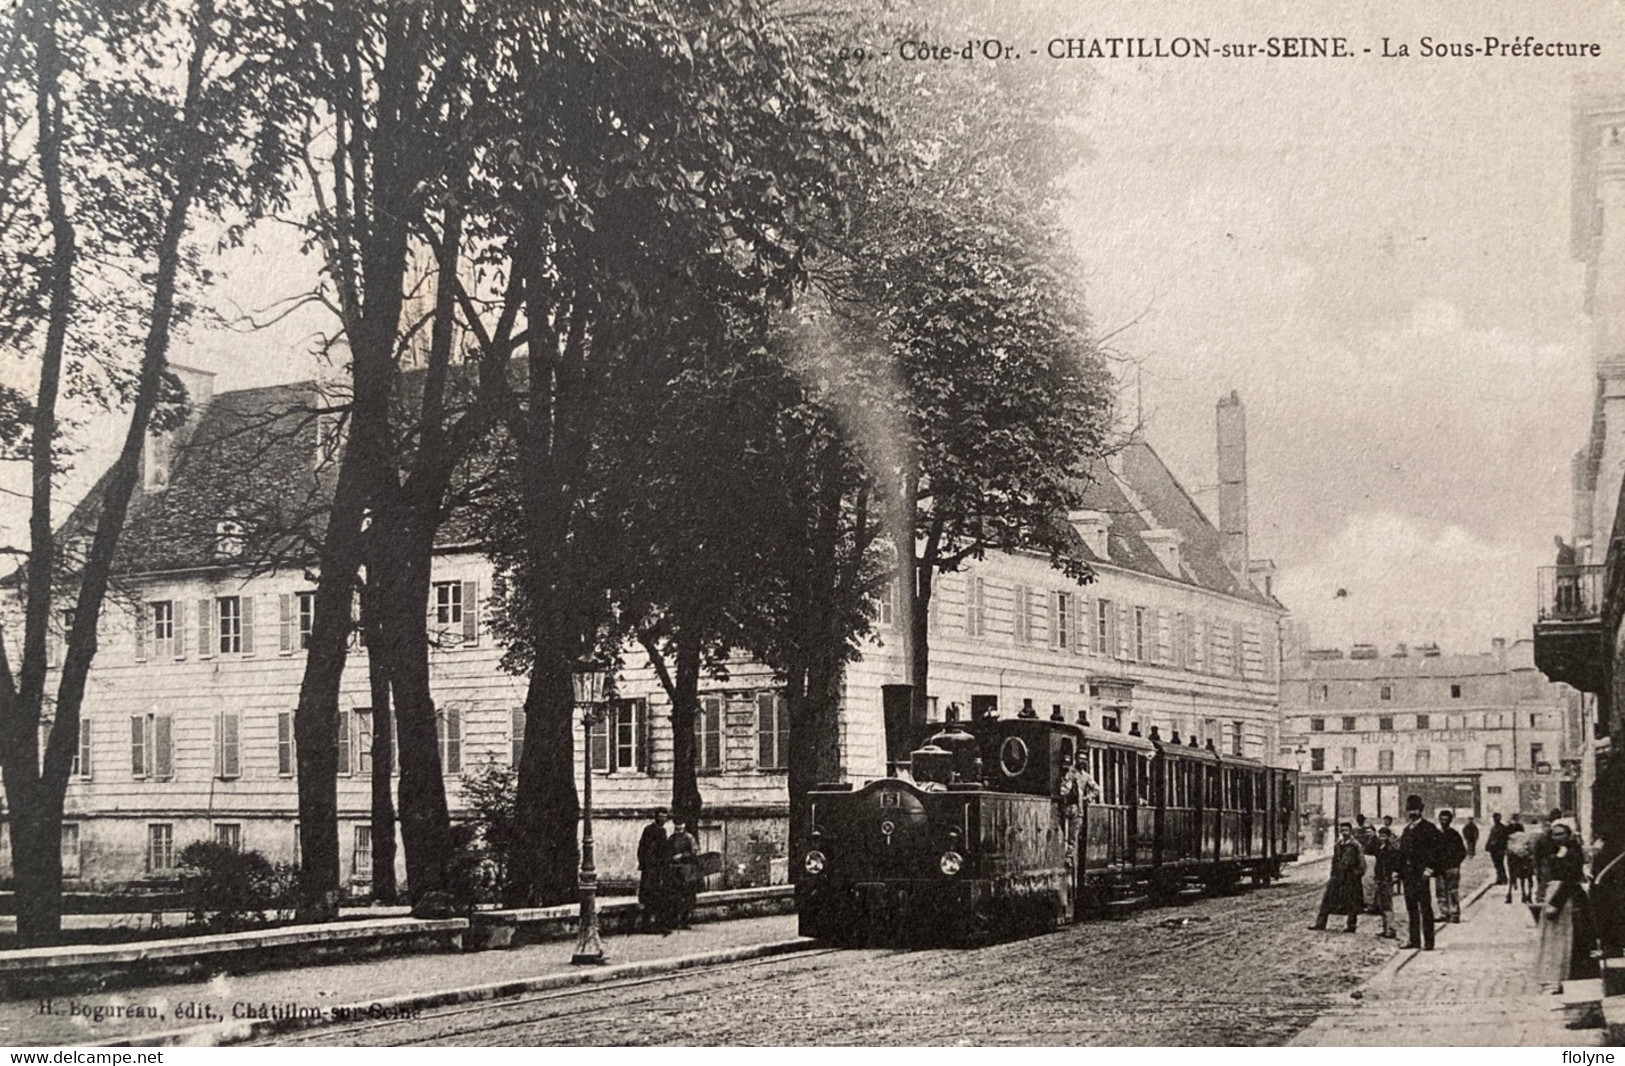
(1566, 931)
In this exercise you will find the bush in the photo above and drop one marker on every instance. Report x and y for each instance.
(226, 889)
(486, 841)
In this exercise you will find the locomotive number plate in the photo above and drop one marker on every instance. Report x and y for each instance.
(889, 799)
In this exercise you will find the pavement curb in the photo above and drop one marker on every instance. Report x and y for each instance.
(238, 1032)
(1404, 956)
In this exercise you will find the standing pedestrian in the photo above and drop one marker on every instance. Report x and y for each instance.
(654, 870)
(1387, 862)
(1469, 833)
(685, 879)
(1566, 933)
(1520, 861)
(1496, 845)
(1447, 870)
(1542, 853)
(1365, 835)
(1342, 895)
(1419, 849)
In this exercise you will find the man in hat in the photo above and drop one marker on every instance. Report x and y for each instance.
(1447, 871)
(654, 874)
(1419, 845)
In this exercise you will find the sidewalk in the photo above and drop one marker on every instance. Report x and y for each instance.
(168, 1007)
(1476, 989)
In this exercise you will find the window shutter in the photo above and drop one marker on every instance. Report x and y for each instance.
(138, 745)
(178, 627)
(163, 746)
(765, 721)
(341, 730)
(600, 746)
(782, 711)
(645, 756)
(247, 622)
(84, 747)
(454, 740)
(471, 613)
(284, 743)
(205, 629)
(140, 632)
(1124, 634)
(363, 741)
(1054, 619)
(518, 731)
(230, 750)
(285, 624)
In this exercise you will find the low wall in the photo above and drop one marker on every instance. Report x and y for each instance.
(533, 925)
(34, 972)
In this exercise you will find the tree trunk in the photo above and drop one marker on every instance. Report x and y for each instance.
(685, 707)
(425, 819)
(547, 811)
(384, 888)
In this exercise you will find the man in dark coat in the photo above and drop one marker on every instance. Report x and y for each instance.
(1496, 845)
(1447, 869)
(1469, 833)
(1343, 894)
(654, 873)
(1418, 851)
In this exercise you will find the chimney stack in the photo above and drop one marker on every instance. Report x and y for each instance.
(1232, 424)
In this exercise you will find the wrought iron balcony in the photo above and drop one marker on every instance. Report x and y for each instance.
(1570, 593)
(1569, 643)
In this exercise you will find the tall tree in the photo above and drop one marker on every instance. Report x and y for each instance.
(387, 86)
(663, 148)
(143, 116)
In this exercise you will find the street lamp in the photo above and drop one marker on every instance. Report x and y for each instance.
(588, 683)
(1337, 798)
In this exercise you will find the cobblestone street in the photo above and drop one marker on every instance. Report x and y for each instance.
(1241, 969)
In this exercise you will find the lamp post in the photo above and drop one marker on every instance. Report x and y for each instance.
(1337, 798)
(588, 683)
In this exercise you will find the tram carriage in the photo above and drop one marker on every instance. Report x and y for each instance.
(972, 842)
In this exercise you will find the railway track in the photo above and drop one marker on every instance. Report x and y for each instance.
(573, 1003)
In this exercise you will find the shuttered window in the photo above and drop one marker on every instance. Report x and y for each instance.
(773, 730)
(517, 732)
(449, 727)
(228, 744)
(286, 760)
(152, 748)
(81, 753)
(708, 734)
(620, 742)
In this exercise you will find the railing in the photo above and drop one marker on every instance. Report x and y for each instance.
(1570, 593)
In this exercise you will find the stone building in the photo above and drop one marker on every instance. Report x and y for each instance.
(1581, 599)
(1476, 733)
(187, 721)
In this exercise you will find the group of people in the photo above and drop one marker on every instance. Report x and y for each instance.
(1422, 861)
(1545, 862)
(669, 874)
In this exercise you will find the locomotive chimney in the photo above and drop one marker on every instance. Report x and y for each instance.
(1232, 426)
(896, 702)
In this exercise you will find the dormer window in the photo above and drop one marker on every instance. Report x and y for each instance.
(1164, 543)
(1093, 527)
(228, 539)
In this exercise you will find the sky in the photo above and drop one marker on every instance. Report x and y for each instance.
(1373, 252)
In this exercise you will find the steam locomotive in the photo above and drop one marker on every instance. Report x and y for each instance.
(973, 843)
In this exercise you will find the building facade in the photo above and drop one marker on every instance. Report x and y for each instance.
(187, 723)
(1479, 734)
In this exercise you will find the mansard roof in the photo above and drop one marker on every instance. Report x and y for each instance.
(1137, 493)
(248, 457)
